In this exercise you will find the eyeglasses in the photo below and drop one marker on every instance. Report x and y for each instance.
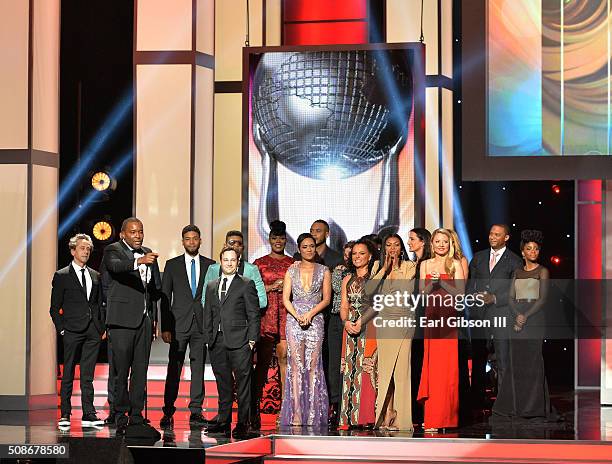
(234, 242)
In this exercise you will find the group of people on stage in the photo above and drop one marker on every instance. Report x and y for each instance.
(314, 312)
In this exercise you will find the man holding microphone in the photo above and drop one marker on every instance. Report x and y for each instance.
(134, 286)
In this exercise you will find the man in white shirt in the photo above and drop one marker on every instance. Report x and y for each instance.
(231, 328)
(134, 286)
(490, 276)
(182, 325)
(76, 313)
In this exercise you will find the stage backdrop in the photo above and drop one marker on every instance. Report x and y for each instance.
(537, 105)
(331, 135)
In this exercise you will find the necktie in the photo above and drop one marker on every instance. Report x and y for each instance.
(194, 283)
(223, 289)
(492, 261)
(83, 281)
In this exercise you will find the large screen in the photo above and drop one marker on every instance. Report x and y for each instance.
(540, 100)
(331, 135)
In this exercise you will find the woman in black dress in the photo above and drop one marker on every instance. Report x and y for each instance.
(524, 391)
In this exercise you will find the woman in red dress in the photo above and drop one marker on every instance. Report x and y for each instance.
(441, 277)
(274, 317)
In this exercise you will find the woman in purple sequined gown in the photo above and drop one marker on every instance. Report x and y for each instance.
(306, 292)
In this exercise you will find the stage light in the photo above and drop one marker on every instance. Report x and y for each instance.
(102, 231)
(556, 189)
(555, 260)
(102, 181)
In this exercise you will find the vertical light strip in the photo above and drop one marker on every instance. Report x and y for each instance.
(609, 76)
(562, 117)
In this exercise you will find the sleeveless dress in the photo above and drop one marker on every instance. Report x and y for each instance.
(524, 393)
(305, 399)
(274, 317)
(358, 364)
(266, 393)
(394, 351)
(439, 387)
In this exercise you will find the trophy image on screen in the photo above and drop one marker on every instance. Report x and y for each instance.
(331, 115)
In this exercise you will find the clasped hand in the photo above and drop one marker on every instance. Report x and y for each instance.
(304, 319)
(353, 327)
(520, 321)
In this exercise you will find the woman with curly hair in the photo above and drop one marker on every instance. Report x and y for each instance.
(441, 276)
(359, 342)
(523, 392)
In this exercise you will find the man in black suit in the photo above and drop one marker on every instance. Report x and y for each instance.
(231, 327)
(76, 313)
(182, 325)
(134, 285)
(490, 276)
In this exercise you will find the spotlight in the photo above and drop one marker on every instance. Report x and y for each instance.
(102, 181)
(556, 189)
(102, 231)
(555, 260)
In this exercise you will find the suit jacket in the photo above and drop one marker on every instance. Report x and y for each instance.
(68, 294)
(178, 305)
(245, 269)
(496, 282)
(126, 295)
(238, 314)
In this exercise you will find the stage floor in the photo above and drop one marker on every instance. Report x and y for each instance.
(585, 422)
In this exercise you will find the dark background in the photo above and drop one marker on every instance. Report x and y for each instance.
(95, 56)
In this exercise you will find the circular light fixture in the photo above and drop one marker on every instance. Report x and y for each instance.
(556, 260)
(101, 181)
(102, 231)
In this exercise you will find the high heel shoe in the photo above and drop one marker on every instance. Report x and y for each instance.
(391, 427)
(333, 417)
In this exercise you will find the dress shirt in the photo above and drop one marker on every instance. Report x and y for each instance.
(498, 256)
(188, 259)
(227, 285)
(145, 275)
(77, 268)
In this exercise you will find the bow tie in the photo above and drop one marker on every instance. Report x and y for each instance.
(139, 250)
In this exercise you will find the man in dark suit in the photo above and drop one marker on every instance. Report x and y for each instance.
(182, 325)
(134, 285)
(231, 327)
(76, 313)
(490, 276)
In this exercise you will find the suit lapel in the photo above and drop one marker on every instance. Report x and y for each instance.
(500, 262)
(232, 285)
(203, 270)
(126, 250)
(77, 279)
(94, 282)
(130, 254)
(184, 275)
